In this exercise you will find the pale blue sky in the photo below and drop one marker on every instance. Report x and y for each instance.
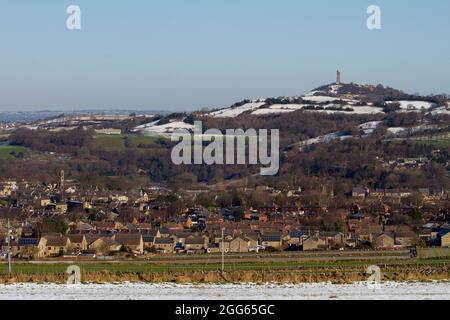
(187, 54)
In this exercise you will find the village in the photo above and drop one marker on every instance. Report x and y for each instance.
(66, 221)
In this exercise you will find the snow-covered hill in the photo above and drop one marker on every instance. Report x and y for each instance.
(333, 98)
(347, 99)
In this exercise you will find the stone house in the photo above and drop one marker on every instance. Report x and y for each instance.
(132, 242)
(406, 238)
(238, 245)
(149, 238)
(28, 248)
(314, 243)
(383, 241)
(296, 238)
(61, 207)
(78, 242)
(13, 245)
(272, 240)
(104, 246)
(164, 245)
(334, 240)
(252, 240)
(196, 243)
(445, 238)
(53, 246)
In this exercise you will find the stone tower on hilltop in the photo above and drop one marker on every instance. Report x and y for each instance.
(338, 77)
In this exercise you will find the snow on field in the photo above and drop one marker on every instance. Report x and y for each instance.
(279, 108)
(332, 89)
(266, 111)
(420, 128)
(310, 97)
(413, 105)
(441, 110)
(321, 99)
(234, 112)
(335, 88)
(366, 109)
(339, 135)
(146, 125)
(168, 128)
(288, 106)
(311, 93)
(368, 128)
(233, 292)
(396, 130)
(29, 127)
(369, 125)
(356, 110)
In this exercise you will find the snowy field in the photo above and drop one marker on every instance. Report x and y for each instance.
(234, 112)
(168, 128)
(359, 291)
(413, 105)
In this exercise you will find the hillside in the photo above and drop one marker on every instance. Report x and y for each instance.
(345, 98)
(368, 93)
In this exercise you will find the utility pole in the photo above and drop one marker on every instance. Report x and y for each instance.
(223, 252)
(62, 185)
(9, 249)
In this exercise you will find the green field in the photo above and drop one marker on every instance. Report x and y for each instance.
(8, 152)
(143, 268)
(118, 142)
(444, 144)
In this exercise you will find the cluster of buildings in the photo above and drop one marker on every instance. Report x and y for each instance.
(399, 194)
(204, 233)
(368, 231)
(103, 224)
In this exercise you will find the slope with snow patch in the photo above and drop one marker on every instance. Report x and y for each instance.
(406, 106)
(278, 109)
(441, 110)
(268, 111)
(322, 99)
(168, 128)
(237, 111)
(356, 110)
